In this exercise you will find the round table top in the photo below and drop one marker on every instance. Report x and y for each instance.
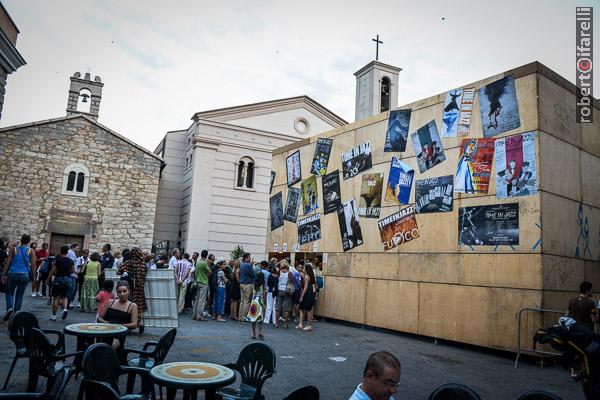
(95, 329)
(190, 374)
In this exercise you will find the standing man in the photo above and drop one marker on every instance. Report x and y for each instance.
(202, 281)
(380, 378)
(106, 261)
(72, 254)
(183, 271)
(247, 277)
(40, 257)
(582, 308)
(174, 258)
(191, 290)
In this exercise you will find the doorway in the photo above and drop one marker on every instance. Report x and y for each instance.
(57, 241)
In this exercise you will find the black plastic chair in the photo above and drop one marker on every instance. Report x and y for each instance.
(44, 361)
(255, 364)
(103, 391)
(304, 393)
(54, 390)
(101, 363)
(19, 326)
(454, 391)
(538, 395)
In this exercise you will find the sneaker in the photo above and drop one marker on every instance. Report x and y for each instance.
(53, 318)
(33, 294)
(8, 314)
(70, 306)
(64, 315)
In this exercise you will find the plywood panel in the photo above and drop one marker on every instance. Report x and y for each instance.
(590, 139)
(376, 265)
(376, 134)
(503, 270)
(557, 112)
(341, 144)
(590, 177)
(344, 299)
(591, 273)
(437, 233)
(393, 305)
(560, 165)
(561, 230)
(429, 267)
(562, 273)
(338, 264)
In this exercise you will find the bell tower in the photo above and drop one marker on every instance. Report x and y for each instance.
(376, 89)
(84, 95)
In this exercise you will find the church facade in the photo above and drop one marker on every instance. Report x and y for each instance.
(214, 190)
(71, 179)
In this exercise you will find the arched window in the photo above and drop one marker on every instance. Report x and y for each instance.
(386, 86)
(75, 180)
(245, 171)
(84, 102)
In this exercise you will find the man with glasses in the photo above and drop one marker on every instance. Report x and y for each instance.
(381, 378)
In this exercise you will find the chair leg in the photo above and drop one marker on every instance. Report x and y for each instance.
(32, 381)
(81, 391)
(130, 383)
(10, 371)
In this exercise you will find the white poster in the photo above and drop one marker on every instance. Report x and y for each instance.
(516, 166)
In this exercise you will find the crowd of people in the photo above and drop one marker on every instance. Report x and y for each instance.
(266, 292)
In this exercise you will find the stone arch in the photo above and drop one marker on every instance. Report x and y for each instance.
(76, 179)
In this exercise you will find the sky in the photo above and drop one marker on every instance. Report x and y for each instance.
(161, 61)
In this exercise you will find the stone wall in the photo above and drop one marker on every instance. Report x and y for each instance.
(121, 201)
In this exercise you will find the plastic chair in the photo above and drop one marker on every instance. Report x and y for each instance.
(44, 361)
(454, 391)
(304, 393)
(255, 364)
(538, 395)
(54, 390)
(19, 325)
(103, 391)
(101, 363)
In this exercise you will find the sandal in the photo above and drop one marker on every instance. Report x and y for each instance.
(299, 326)
(261, 336)
(286, 326)
(253, 337)
(307, 328)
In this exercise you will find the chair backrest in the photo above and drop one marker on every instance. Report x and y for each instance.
(538, 395)
(57, 384)
(41, 353)
(454, 391)
(19, 326)
(100, 390)
(256, 361)
(101, 363)
(304, 393)
(164, 345)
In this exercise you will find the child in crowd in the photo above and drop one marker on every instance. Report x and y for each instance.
(255, 312)
(104, 296)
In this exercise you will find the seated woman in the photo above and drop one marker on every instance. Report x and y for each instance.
(122, 312)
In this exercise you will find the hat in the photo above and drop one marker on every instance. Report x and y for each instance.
(264, 263)
(220, 260)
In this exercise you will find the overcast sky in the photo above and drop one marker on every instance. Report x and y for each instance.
(162, 61)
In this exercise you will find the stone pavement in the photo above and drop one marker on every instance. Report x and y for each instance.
(305, 358)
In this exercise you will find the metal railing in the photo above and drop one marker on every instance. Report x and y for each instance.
(529, 320)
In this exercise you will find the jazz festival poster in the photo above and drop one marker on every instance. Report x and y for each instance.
(292, 165)
(496, 224)
(516, 172)
(276, 203)
(499, 107)
(321, 157)
(428, 146)
(371, 189)
(399, 182)
(292, 204)
(309, 229)
(398, 228)
(475, 165)
(309, 195)
(349, 225)
(397, 131)
(332, 198)
(451, 112)
(434, 194)
(357, 160)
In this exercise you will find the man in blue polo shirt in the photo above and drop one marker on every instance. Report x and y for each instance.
(381, 378)
(247, 277)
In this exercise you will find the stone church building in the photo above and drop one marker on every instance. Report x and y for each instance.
(71, 179)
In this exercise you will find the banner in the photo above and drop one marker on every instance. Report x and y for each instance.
(321, 157)
(292, 204)
(434, 194)
(451, 112)
(516, 171)
(276, 206)
(349, 225)
(371, 189)
(428, 147)
(309, 229)
(356, 160)
(466, 110)
(310, 200)
(496, 224)
(292, 165)
(397, 131)
(332, 197)
(399, 182)
(475, 165)
(499, 107)
(272, 181)
(398, 228)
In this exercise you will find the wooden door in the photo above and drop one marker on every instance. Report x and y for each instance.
(57, 241)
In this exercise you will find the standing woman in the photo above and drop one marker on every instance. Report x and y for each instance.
(122, 312)
(40, 257)
(91, 276)
(16, 274)
(272, 282)
(236, 294)
(136, 270)
(307, 298)
(283, 302)
(219, 304)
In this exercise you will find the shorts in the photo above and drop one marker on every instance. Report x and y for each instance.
(296, 297)
(61, 286)
(283, 302)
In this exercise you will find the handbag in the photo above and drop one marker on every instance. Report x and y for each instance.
(289, 286)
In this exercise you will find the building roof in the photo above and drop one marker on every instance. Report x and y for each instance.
(266, 107)
(379, 64)
(88, 119)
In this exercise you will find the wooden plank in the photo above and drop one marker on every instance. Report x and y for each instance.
(557, 112)
(344, 299)
(590, 176)
(568, 168)
(561, 230)
(501, 270)
(404, 295)
(562, 273)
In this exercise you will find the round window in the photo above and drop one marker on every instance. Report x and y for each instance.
(301, 126)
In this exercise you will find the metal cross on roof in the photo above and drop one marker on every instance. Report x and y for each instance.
(377, 42)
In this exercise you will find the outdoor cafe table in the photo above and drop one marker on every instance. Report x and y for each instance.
(191, 377)
(87, 333)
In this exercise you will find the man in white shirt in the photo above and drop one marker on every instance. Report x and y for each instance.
(381, 378)
(72, 254)
(174, 259)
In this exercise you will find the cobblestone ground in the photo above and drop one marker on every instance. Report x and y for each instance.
(307, 358)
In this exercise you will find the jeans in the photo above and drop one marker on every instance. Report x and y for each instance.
(18, 282)
(72, 288)
(219, 306)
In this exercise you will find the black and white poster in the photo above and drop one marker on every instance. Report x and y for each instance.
(499, 107)
(332, 198)
(309, 229)
(321, 157)
(397, 131)
(292, 204)
(356, 160)
(272, 181)
(434, 194)
(496, 224)
(292, 165)
(276, 203)
(350, 225)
